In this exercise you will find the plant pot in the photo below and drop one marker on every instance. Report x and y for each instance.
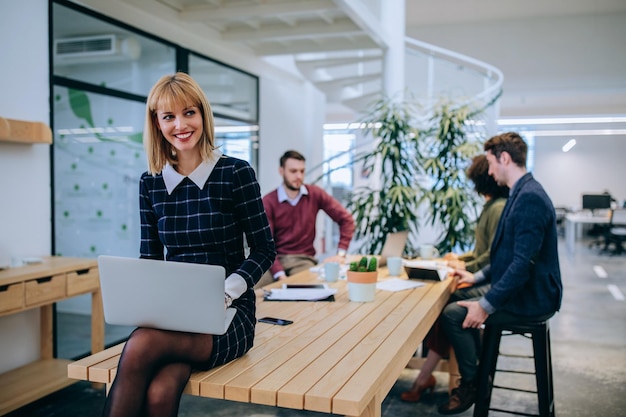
(362, 286)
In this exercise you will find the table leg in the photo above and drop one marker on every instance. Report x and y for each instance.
(570, 235)
(46, 332)
(97, 322)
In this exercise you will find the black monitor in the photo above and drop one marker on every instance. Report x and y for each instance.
(596, 201)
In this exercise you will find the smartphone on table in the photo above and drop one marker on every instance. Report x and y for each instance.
(273, 320)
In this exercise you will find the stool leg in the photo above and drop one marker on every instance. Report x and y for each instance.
(543, 371)
(486, 369)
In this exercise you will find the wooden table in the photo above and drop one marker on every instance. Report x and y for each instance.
(337, 357)
(40, 286)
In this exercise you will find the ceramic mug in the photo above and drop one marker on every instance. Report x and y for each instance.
(394, 266)
(331, 271)
(428, 252)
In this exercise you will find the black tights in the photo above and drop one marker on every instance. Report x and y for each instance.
(153, 370)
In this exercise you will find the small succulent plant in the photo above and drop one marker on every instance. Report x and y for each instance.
(365, 264)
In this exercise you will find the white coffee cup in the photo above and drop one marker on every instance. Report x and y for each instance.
(428, 252)
(331, 271)
(394, 265)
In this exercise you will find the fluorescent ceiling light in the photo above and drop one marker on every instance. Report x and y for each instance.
(561, 120)
(589, 132)
(569, 145)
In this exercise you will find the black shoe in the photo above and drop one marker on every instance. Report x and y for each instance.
(460, 400)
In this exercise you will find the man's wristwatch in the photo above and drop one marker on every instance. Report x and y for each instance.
(228, 300)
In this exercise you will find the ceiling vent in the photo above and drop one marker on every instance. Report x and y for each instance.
(99, 48)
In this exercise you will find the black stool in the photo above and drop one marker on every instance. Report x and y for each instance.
(540, 335)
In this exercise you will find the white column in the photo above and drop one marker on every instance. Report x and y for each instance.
(393, 21)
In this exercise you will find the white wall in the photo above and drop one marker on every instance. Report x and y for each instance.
(24, 169)
(595, 164)
(292, 117)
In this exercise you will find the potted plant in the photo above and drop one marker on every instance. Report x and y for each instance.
(362, 277)
(449, 143)
(418, 166)
(390, 204)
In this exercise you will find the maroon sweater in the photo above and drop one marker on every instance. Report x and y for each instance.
(293, 227)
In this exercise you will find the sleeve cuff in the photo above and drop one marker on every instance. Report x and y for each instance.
(479, 277)
(278, 275)
(235, 286)
(486, 305)
(341, 252)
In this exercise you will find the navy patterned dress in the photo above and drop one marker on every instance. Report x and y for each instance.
(208, 226)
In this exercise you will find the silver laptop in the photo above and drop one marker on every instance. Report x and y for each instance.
(164, 295)
(394, 246)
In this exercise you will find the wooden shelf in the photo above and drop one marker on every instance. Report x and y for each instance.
(31, 382)
(22, 131)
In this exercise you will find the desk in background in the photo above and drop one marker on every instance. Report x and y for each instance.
(40, 286)
(573, 227)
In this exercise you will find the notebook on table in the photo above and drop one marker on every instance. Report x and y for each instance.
(164, 295)
(394, 246)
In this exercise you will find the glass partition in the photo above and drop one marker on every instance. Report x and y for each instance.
(99, 158)
(232, 93)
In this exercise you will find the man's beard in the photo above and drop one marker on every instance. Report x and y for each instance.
(291, 187)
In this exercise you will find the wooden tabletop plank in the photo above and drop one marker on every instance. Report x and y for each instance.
(381, 371)
(325, 334)
(342, 338)
(104, 371)
(309, 328)
(320, 396)
(269, 345)
(80, 368)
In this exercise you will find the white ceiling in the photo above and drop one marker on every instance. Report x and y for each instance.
(437, 12)
(295, 27)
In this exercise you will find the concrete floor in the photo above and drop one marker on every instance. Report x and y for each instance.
(588, 353)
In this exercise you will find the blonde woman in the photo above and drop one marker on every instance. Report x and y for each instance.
(196, 205)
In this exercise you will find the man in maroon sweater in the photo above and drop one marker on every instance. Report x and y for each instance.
(292, 211)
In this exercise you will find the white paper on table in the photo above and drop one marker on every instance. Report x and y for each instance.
(300, 294)
(397, 284)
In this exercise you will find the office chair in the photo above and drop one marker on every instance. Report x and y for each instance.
(616, 232)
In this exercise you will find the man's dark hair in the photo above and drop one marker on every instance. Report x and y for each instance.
(511, 143)
(291, 154)
(484, 183)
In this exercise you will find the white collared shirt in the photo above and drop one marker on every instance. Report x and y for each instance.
(199, 176)
(282, 194)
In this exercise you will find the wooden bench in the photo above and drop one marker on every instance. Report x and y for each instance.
(337, 357)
